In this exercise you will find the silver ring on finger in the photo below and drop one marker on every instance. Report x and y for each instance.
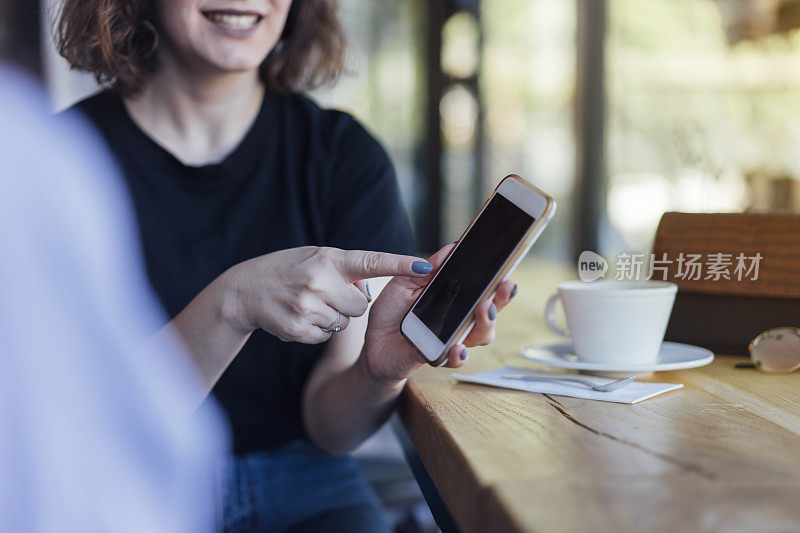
(335, 327)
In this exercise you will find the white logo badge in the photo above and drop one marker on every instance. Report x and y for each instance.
(591, 266)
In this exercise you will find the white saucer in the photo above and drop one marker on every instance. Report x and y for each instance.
(672, 356)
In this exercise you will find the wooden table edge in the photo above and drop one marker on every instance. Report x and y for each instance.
(468, 512)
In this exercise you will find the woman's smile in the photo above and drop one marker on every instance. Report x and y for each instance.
(238, 23)
(226, 35)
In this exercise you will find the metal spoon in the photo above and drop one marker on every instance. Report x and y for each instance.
(608, 387)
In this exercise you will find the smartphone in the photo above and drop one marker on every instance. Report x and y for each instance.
(493, 244)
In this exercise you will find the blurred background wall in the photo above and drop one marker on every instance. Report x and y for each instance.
(621, 109)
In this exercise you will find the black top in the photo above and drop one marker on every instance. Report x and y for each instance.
(301, 176)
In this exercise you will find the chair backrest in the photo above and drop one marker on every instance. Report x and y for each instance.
(738, 274)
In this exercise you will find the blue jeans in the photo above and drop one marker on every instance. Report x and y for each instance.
(298, 487)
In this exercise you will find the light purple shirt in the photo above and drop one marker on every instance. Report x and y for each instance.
(95, 433)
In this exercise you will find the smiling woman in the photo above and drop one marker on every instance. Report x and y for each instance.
(117, 40)
(234, 20)
(262, 216)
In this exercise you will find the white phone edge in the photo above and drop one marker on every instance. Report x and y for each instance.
(532, 203)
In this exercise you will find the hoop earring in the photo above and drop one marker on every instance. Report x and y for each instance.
(152, 30)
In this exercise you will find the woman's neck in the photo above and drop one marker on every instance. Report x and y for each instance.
(200, 119)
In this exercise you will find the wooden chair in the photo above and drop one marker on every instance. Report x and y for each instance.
(728, 304)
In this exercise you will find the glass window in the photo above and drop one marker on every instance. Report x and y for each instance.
(700, 99)
(528, 84)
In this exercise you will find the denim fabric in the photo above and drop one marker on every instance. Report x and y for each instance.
(298, 487)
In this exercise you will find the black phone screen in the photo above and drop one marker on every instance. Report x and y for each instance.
(471, 267)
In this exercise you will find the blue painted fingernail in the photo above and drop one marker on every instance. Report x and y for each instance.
(513, 291)
(421, 267)
(463, 355)
(368, 293)
(492, 312)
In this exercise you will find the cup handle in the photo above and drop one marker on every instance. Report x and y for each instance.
(550, 317)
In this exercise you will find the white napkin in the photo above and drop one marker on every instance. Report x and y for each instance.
(632, 393)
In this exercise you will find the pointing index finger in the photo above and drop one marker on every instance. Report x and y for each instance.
(360, 264)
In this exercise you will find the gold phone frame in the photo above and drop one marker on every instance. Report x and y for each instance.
(510, 263)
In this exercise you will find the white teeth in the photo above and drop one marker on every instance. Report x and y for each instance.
(233, 21)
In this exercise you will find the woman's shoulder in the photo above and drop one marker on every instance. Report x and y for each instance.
(333, 128)
(359, 194)
(97, 100)
(101, 108)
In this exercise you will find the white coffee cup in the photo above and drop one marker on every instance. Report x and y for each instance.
(613, 322)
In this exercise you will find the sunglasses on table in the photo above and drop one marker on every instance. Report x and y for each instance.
(776, 351)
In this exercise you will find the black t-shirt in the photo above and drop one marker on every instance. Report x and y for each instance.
(301, 176)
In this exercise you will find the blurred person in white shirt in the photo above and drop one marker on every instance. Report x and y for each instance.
(98, 430)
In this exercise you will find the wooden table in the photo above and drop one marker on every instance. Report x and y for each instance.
(721, 454)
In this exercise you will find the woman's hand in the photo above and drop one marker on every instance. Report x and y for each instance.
(301, 294)
(387, 355)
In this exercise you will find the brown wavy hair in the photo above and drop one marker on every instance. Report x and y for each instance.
(115, 40)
